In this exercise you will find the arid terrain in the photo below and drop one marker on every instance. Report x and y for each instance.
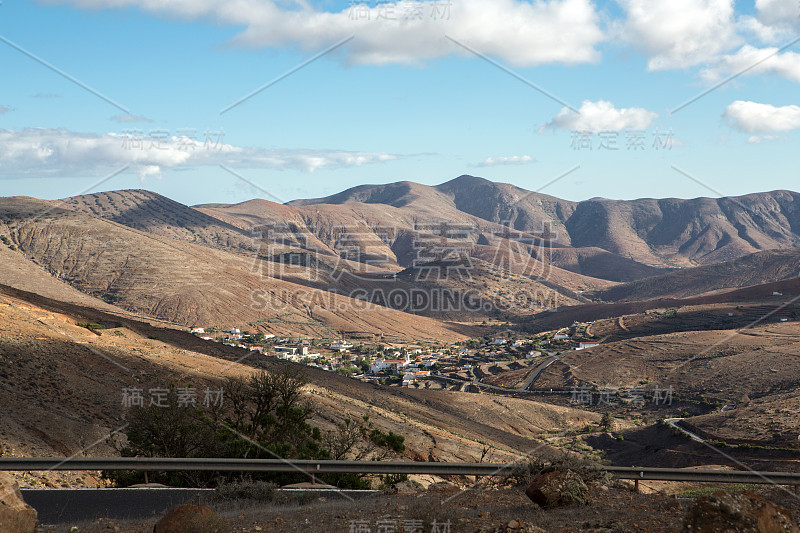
(653, 332)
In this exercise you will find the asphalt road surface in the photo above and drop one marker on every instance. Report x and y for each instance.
(64, 506)
(59, 506)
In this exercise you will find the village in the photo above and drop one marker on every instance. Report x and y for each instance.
(413, 365)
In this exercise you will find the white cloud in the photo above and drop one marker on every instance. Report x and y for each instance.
(510, 160)
(679, 33)
(4, 109)
(520, 32)
(786, 65)
(778, 12)
(758, 139)
(602, 116)
(755, 29)
(752, 117)
(129, 118)
(57, 152)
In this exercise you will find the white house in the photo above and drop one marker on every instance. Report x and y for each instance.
(198, 330)
(386, 364)
(584, 345)
(340, 346)
(560, 336)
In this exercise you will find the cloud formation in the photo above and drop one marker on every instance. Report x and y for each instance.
(405, 32)
(602, 116)
(752, 117)
(35, 152)
(679, 33)
(509, 160)
(766, 61)
(125, 119)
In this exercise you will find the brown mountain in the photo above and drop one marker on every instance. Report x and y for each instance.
(662, 233)
(186, 283)
(148, 254)
(153, 213)
(750, 270)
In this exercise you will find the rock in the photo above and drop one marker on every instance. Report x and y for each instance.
(16, 516)
(740, 512)
(442, 486)
(408, 487)
(309, 485)
(514, 526)
(188, 519)
(558, 488)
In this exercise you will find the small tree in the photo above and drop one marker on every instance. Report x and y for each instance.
(607, 422)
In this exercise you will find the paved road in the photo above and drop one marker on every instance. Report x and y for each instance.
(59, 506)
(549, 360)
(673, 422)
(67, 506)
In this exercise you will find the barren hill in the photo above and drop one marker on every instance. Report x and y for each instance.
(681, 232)
(61, 386)
(753, 269)
(392, 230)
(153, 213)
(190, 284)
(661, 233)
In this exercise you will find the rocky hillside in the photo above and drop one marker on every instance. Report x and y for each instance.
(750, 270)
(191, 284)
(663, 233)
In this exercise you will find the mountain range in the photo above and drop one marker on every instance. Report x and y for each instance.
(316, 265)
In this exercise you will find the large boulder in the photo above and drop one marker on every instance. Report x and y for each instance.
(558, 488)
(189, 519)
(723, 512)
(16, 516)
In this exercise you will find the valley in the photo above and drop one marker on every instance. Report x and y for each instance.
(495, 329)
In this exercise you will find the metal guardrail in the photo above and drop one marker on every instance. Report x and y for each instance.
(250, 465)
(373, 467)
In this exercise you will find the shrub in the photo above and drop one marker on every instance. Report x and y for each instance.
(607, 422)
(91, 326)
(262, 417)
(388, 440)
(523, 473)
(246, 489)
(390, 481)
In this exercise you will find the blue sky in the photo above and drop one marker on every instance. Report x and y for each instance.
(399, 101)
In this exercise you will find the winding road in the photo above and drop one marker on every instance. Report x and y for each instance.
(673, 422)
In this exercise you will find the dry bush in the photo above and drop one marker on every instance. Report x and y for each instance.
(524, 472)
